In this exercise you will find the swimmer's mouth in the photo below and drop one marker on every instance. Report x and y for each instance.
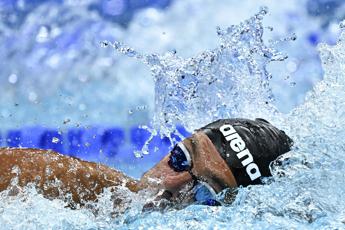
(165, 200)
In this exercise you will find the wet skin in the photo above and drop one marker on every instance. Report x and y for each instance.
(207, 165)
(57, 175)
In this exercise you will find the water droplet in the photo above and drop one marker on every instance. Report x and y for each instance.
(66, 121)
(342, 24)
(13, 78)
(264, 10)
(293, 37)
(270, 28)
(49, 171)
(137, 154)
(292, 84)
(55, 140)
(15, 169)
(141, 107)
(32, 96)
(279, 57)
(130, 52)
(291, 66)
(43, 34)
(104, 44)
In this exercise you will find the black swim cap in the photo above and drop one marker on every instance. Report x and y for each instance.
(248, 146)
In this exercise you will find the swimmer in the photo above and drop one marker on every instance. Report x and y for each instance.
(225, 154)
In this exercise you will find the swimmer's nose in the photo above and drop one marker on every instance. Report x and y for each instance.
(170, 179)
(173, 182)
(166, 177)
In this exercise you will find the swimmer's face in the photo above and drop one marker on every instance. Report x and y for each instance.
(207, 165)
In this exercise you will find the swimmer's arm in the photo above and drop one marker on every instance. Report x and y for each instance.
(57, 175)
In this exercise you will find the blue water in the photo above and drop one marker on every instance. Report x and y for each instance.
(234, 75)
(113, 146)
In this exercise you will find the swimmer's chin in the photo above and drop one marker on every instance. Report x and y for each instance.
(164, 200)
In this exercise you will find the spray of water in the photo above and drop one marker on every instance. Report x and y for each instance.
(306, 190)
(224, 82)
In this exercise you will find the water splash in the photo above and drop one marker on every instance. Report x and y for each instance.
(306, 190)
(54, 35)
(310, 194)
(224, 82)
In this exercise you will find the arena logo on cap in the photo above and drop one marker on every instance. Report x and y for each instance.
(238, 145)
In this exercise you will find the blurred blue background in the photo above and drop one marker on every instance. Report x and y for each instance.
(61, 90)
(121, 12)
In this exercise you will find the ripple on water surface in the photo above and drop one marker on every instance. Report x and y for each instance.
(306, 190)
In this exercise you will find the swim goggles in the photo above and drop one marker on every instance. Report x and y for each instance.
(181, 161)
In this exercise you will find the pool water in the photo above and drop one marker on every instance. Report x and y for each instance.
(230, 79)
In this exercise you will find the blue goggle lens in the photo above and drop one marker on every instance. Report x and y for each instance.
(204, 194)
(211, 202)
(178, 159)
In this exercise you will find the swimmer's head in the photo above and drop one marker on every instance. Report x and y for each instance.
(248, 147)
(224, 154)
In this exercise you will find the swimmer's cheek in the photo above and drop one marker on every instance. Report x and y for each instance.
(174, 183)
